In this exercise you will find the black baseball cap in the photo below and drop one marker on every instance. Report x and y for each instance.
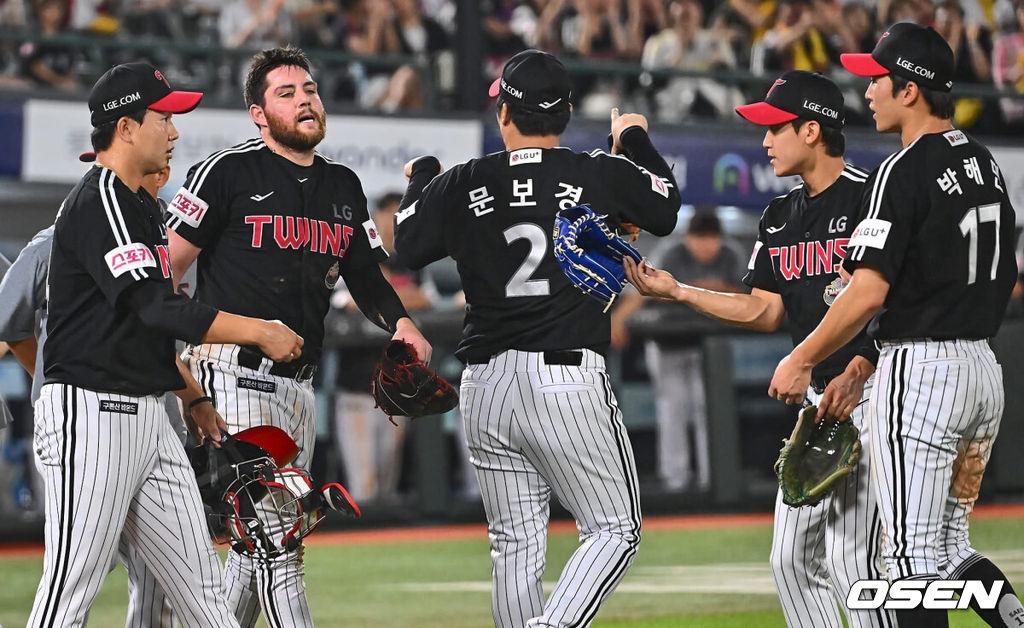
(130, 87)
(535, 80)
(798, 94)
(915, 52)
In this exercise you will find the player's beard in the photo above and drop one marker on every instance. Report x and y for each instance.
(287, 133)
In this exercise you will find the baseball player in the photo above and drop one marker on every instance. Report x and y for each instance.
(23, 320)
(818, 552)
(538, 408)
(274, 226)
(111, 463)
(933, 257)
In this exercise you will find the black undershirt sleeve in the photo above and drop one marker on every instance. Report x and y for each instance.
(375, 297)
(175, 314)
(422, 172)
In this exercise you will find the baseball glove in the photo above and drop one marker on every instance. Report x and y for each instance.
(590, 254)
(815, 457)
(402, 385)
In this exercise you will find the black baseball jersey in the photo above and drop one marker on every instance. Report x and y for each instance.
(938, 224)
(495, 217)
(106, 240)
(275, 236)
(800, 247)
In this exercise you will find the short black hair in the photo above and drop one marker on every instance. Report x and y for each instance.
(942, 104)
(386, 200)
(103, 135)
(833, 138)
(530, 122)
(704, 223)
(263, 64)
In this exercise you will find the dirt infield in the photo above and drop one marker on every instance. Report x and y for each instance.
(478, 531)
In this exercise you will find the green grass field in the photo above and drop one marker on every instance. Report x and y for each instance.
(681, 578)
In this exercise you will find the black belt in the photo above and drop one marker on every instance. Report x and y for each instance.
(253, 359)
(564, 357)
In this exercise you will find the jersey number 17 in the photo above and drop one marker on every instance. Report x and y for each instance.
(969, 227)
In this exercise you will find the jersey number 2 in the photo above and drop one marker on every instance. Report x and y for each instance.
(969, 225)
(520, 284)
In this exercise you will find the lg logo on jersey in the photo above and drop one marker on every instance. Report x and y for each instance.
(930, 594)
(837, 225)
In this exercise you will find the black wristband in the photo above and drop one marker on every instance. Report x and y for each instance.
(198, 400)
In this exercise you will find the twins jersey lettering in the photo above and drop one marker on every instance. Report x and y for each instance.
(802, 242)
(272, 234)
(818, 552)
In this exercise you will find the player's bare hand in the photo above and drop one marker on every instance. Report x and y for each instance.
(649, 281)
(790, 382)
(408, 167)
(622, 122)
(408, 332)
(841, 396)
(203, 420)
(280, 343)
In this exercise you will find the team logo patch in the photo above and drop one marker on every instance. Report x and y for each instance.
(119, 407)
(955, 137)
(525, 156)
(405, 213)
(871, 232)
(331, 278)
(372, 234)
(658, 185)
(189, 207)
(131, 256)
(753, 256)
(258, 385)
(832, 290)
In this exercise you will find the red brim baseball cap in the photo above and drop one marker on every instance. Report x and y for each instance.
(764, 114)
(862, 64)
(177, 102)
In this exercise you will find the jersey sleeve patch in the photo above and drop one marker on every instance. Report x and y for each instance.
(405, 213)
(372, 234)
(658, 185)
(753, 256)
(871, 232)
(131, 256)
(189, 207)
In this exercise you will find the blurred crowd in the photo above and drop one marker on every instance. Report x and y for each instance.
(671, 58)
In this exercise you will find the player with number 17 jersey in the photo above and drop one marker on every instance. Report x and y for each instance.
(938, 223)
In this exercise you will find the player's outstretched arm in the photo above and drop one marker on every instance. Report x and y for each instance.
(200, 417)
(408, 332)
(274, 338)
(844, 392)
(852, 310)
(183, 254)
(761, 310)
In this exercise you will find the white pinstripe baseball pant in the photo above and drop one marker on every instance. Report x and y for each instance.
(819, 551)
(935, 414)
(534, 428)
(247, 398)
(114, 469)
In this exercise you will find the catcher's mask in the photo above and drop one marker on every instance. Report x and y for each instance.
(251, 502)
